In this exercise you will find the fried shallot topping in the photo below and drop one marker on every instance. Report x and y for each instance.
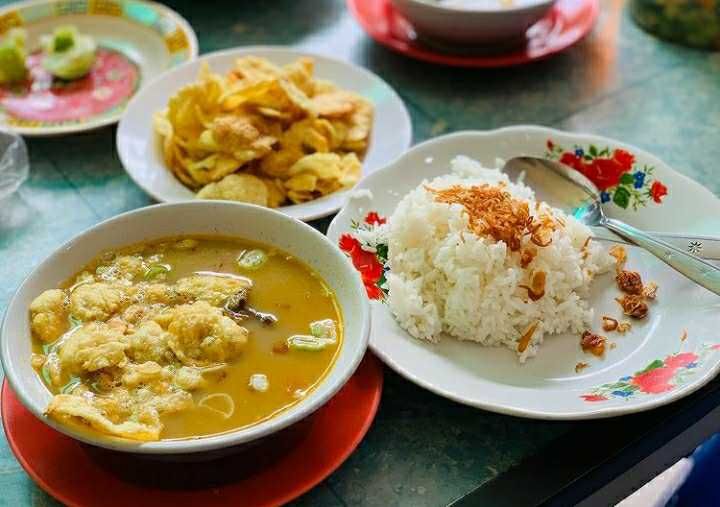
(650, 290)
(633, 305)
(683, 336)
(580, 367)
(609, 324)
(527, 336)
(541, 230)
(536, 290)
(623, 327)
(620, 255)
(593, 343)
(527, 255)
(629, 282)
(584, 248)
(493, 211)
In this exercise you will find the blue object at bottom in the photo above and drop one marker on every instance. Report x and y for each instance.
(701, 487)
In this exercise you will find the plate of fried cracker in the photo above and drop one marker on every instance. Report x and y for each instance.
(269, 126)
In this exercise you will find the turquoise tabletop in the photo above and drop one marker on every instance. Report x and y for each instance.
(422, 450)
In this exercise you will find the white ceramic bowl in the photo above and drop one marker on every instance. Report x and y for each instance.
(140, 148)
(475, 25)
(199, 217)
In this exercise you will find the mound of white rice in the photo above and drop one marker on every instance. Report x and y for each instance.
(443, 278)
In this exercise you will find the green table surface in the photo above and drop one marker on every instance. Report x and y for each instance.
(422, 450)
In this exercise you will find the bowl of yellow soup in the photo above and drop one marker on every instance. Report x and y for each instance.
(185, 328)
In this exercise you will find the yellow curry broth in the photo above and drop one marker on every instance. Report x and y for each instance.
(282, 286)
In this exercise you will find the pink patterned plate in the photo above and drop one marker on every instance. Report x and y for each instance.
(42, 100)
(567, 22)
(137, 41)
(669, 354)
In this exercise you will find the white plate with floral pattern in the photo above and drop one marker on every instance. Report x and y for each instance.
(669, 354)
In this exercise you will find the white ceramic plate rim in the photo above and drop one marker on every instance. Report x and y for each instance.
(110, 120)
(254, 432)
(334, 231)
(311, 210)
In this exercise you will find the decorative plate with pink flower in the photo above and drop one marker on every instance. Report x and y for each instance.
(137, 41)
(615, 173)
(669, 354)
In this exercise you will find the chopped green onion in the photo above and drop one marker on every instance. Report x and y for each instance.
(46, 375)
(307, 342)
(156, 270)
(70, 386)
(52, 348)
(252, 259)
(324, 329)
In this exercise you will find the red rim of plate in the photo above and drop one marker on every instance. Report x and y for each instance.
(349, 414)
(570, 21)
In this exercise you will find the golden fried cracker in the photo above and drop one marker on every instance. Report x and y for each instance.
(335, 104)
(237, 187)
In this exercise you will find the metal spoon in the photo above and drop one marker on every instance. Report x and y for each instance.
(705, 247)
(564, 187)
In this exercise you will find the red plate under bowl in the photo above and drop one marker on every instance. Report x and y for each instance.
(565, 24)
(268, 474)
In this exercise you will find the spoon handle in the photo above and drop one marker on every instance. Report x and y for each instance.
(699, 271)
(705, 247)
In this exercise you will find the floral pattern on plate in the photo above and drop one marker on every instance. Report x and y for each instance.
(368, 253)
(660, 376)
(615, 173)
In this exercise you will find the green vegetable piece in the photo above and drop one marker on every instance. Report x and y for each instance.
(70, 386)
(324, 329)
(155, 270)
(63, 40)
(252, 259)
(68, 54)
(46, 376)
(12, 57)
(74, 322)
(307, 342)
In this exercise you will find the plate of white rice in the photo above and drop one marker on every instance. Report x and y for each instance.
(482, 293)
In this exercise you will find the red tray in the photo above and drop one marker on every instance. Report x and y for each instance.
(270, 473)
